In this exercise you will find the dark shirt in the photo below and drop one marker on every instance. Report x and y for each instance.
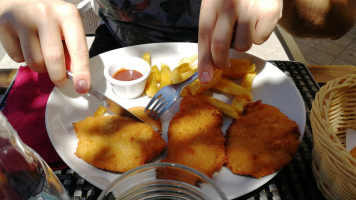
(148, 21)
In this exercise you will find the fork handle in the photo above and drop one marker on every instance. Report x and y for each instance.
(190, 79)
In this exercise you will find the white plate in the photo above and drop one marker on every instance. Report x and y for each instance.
(65, 106)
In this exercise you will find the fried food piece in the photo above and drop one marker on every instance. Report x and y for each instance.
(116, 143)
(196, 87)
(100, 111)
(165, 76)
(222, 106)
(151, 87)
(139, 111)
(147, 57)
(261, 142)
(195, 138)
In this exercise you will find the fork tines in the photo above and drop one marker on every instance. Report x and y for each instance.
(159, 106)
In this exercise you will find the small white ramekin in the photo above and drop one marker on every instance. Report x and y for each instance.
(128, 89)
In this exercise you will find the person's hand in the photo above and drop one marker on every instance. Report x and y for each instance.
(48, 36)
(239, 23)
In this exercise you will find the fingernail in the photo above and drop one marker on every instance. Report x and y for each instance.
(82, 86)
(205, 77)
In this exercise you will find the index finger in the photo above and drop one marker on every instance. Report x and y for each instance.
(222, 36)
(207, 20)
(75, 40)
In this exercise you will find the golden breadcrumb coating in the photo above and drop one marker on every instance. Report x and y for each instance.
(195, 137)
(116, 143)
(261, 142)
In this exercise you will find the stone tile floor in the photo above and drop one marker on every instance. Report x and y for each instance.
(330, 52)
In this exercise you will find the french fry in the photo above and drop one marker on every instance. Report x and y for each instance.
(222, 106)
(247, 80)
(229, 87)
(100, 111)
(147, 57)
(236, 63)
(176, 76)
(156, 73)
(238, 68)
(184, 67)
(165, 75)
(190, 59)
(151, 86)
(196, 87)
(188, 74)
(238, 104)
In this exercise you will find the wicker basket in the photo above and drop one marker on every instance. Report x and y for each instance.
(333, 112)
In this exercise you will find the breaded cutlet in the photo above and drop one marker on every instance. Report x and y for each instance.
(195, 137)
(116, 143)
(261, 142)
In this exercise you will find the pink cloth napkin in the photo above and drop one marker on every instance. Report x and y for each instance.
(25, 110)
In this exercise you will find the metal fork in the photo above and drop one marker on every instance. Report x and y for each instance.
(166, 97)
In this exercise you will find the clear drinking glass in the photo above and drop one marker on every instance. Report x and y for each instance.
(163, 181)
(23, 173)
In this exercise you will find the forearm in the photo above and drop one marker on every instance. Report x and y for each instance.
(318, 18)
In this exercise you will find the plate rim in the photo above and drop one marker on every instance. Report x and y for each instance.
(103, 55)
